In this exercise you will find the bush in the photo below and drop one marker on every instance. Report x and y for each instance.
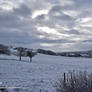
(75, 82)
(3, 89)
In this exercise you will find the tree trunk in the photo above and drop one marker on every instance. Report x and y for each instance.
(30, 59)
(20, 58)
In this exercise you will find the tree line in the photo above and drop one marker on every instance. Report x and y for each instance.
(18, 51)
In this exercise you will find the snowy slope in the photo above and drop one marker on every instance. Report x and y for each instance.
(41, 74)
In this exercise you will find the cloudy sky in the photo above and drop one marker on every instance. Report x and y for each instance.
(60, 25)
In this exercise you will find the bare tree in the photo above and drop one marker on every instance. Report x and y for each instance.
(31, 54)
(20, 52)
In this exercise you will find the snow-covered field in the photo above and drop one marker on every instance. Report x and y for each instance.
(41, 74)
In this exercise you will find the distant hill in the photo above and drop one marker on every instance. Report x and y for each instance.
(48, 52)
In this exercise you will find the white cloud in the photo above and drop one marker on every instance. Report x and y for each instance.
(39, 12)
(9, 4)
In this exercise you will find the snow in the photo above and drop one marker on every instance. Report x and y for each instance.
(41, 74)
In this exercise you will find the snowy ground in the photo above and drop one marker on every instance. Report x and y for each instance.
(41, 74)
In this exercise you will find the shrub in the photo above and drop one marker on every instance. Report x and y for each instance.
(75, 82)
(3, 89)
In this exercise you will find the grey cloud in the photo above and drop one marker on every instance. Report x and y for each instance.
(48, 41)
(12, 37)
(53, 1)
(56, 16)
(87, 41)
(9, 20)
(23, 10)
(16, 37)
(12, 18)
(73, 31)
(83, 2)
(56, 8)
(41, 17)
(13, 29)
(56, 12)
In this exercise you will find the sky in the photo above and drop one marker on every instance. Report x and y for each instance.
(59, 25)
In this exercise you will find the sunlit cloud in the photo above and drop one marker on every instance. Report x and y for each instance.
(48, 30)
(47, 45)
(85, 20)
(51, 33)
(86, 25)
(39, 12)
(72, 13)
